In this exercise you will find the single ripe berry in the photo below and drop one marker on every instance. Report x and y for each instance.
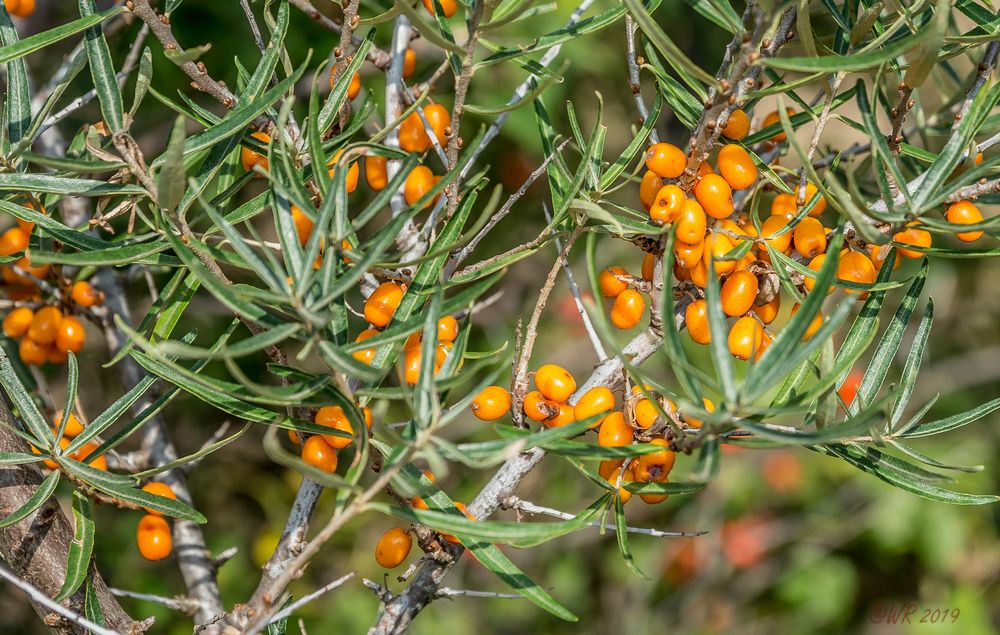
(611, 286)
(615, 431)
(696, 319)
(854, 266)
(354, 88)
(376, 172)
(156, 488)
(73, 425)
(667, 205)
(626, 477)
(784, 205)
(564, 417)
(17, 322)
(303, 224)
(439, 119)
(538, 408)
(409, 63)
(418, 183)
(382, 304)
(334, 417)
(965, 213)
(320, 454)
(648, 266)
(45, 325)
(666, 160)
(555, 382)
(13, 241)
(20, 8)
(654, 467)
(85, 295)
(697, 423)
(393, 548)
(648, 188)
(813, 191)
(491, 404)
(715, 196)
(608, 467)
(691, 223)
(775, 118)
(365, 355)
(736, 167)
(353, 171)
(815, 264)
(699, 275)
(809, 237)
(595, 401)
(912, 236)
(412, 134)
(645, 413)
(717, 245)
(768, 312)
(71, 336)
(737, 126)
(769, 232)
(418, 502)
(688, 255)
(745, 337)
(739, 293)
(33, 353)
(627, 310)
(153, 537)
(447, 329)
(251, 158)
(449, 7)
(814, 325)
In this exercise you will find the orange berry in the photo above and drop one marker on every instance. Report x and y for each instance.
(767, 312)
(334, 417)
(648, 188)
(71, 336)
(317, 452)
(12, 241)
(365, 356)
(615, 431)
(648, 266)
(538, 408)
(439, 119)
(20, 8)
(84, 294)
(555, 382)
(627, 310)
(775, 118)
(449, 7)
(55, 356)
(353, 171)
(418, 183)
(814, 325)
(965, 213)
(745, 337)
(912, 236)
(412, 362)
(369, 420)
(854, 266)
(354, 88)
(393, 548)
(666, 160)
(156, 488)
(809, 237)
(667, 204)
(447, 329)
(736, 167)
(691, 223)
(609, 283)
(608, 467)
(153, 537)
(739, 293)
(784, 205)
(697, 423)
(27, 226)
(688, 255)
(251, 158)
(771, 226)
(33, 353)
(704, 169)
(627, 477)
(737, 126)
(382, 304)
(645, 413)
(699, 275)
(84, 453)
(17, 322)
(491, 404)
(716, 247)
(461, 507)
(595, 401)
(815, 264)
(696, 319)
(376, 172)
(412, 134)
(73, 425)
(820, 207)
(654, 467)
(45, 325)
(563, 418)
(409, 63)
(715, 196)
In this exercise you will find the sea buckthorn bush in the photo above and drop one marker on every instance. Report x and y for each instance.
(195, 276)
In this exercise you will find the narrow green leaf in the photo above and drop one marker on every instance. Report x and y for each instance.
(102, 71)
(42, 494)
(81, 548)
(170, 181)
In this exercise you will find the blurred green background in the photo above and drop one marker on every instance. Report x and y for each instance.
(797, 542)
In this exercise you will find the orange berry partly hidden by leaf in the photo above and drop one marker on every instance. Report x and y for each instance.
(449, 7)
(878, 254)
(412, 135)
(849, 389)
(666, 159)
(820, 207)
(775, 118)
(376, 172)
(382, 304)
(393, 548)
(71, 336)
(784, 205)
(251, 158)
(767, 312)
(354, 88)
(353, 171)
(667, 204)
(156, 488)
(696, 319)
(303, 224)
(491, 404)
(645, 413)
(439, 119)
(809, 237)
(447, 329)
(555, 382)
(17, 322)
(595, 401)
(649, 187)
(611, 286)
(73, 425)
(739, 292)
(538, 408)
(320, 454)
(418, 183)
(737, 126)
(745, 337)
(688, 255)
(815, 264)
(654, 467)
(648, 265)
(33, 353)
(627, 310)
(84, 294)
(565, 416)
(697, 423)
(81, 455)
(153, 537)
(691, 223)
(608, 467)
(45, 325)
(855, 266)
(715, 196)
(615, 431)
(814, 325)
(771, 226)
(366, 355)
(12, 241)
(717, 245)
(409, 63)
(912, 236)
(465, 510)
(965, 213)
(334, 417)
(626, 477)
(736, 167)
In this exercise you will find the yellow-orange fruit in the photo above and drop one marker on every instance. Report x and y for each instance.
(555, 382)
(609, 283)
(645, 413)
(627, 310)
(716, 247)
(376, 172)
(654, 467)
(696, 319)
(409, 63)
(809, 237)
(85, 295)
(251, 158)
(775, 118)
(439, 119)
(737, 126)
(31, 352)
(688, 255)
(12, 241)
(648, 188)
(912, 236)
(153, 538)
(18, 321)
(736, 167)
(319, 454)
(334, 417)
(365, 355)
(156, 488)
(738, 293)
(71, 335)
(627, 477)
(564, 417)
(697, 423)
(648, 266)
(699, 275)
(449, 7)
(715, 196)
(418, 183)
(595, 401)
(491, 404)
(771, 226)
(965, 213)
(615, 431)
(393, 548)
(353, 171)
(73, 425)
(745, 337)
(412, 134)
(814, 325)
(20, 8)
(666, 160)
(538, 408)
(784, 205)
(667, 204)
(820, 207)
(691, 223)
(45, 325)
(447, 329)
(767, 312)
(856, 267)
(815, 264)
(608, 467)
(382, 304)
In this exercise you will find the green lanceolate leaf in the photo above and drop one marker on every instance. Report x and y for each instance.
(81, 548)
(16, 97)
(42, 40)
(170, 181)
(102, 71)
(42, 494)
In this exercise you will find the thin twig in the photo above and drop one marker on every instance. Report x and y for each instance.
(306, 599)
(513, 502)
(634, 83)
(40, 598)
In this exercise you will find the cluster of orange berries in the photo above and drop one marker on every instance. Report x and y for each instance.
(14, 241)
(20, 8)
(46, 335)
(73, 428)
(153, 533)
(320, 450)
